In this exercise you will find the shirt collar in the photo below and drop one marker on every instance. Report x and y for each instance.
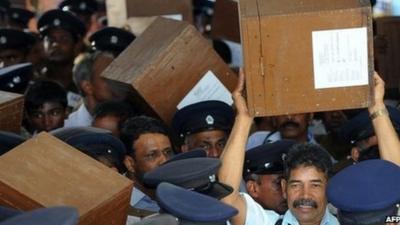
(328, 219)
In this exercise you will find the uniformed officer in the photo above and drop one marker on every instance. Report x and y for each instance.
(15, 78)
(18, 18)
(111, 39)
(184, 207)
(263, 172)
(14, 46)
(366, 193)
(196, 174)
(84, 9)
(62, 34)
(359, 132)
(204, 125)
(97, 143)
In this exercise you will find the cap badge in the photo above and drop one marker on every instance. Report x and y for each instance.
(109, 151)
(17, 80)
(209, 120)
(3, 40)
(56, 22)
(82, 6)
(212, 178)
(15, 15)
(114, 39)
(267, 165)
(284, 156)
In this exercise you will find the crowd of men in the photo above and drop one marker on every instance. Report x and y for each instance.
(214, 162)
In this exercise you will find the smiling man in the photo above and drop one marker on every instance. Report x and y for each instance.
(304, 185)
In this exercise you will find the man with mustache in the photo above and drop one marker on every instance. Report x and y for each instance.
(295, 127)
(306, 175)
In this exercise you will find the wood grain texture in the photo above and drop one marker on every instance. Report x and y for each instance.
(387, 50)
(164, 63)
(278, 55)
(44, 171)
(11, 111)
(225, 21)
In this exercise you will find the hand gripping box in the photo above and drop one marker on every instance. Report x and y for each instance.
(45, 171)
(11, 111)
(168, 67)
(306, 55)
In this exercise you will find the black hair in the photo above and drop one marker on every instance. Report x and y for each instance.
(308, 154)
(138, 125)
(118, 109)
(42, 91)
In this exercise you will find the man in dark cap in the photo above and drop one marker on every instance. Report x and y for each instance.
(111, 39)
(360, 133)
(97, 143)
(185, 207)
(84, 9)
(198, 174)
(62, 34)
(15, 78)
(263, 172)
(204, 125)
(18, 18)
(15, 46)
(148, 145)
(366, 193)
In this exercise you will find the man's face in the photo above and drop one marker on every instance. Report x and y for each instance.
(333, 120)
(59, 46)
(305, 193)
(48, 117)
(213, 142)
(151, 150)
(101, 89)
(9, 57)
(269, 193)
(109, 123)
(293, 126)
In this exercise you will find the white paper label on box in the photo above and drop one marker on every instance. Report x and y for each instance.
(209, 87)
(340, 58)
(178, 17)
(116, 13)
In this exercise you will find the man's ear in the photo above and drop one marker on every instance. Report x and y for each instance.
(283, 186)
(86, 87)
(355, 154)
(129, 163)
(252, 188)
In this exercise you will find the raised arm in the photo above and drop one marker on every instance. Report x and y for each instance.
(233, 155)
(388, 141)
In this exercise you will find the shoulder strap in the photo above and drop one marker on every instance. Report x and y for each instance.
(279, 222)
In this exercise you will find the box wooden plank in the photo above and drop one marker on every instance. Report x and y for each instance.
(164, 64)
(225, 21)
(11, 111)
(278, 54)
(44, 172)
(387, 50)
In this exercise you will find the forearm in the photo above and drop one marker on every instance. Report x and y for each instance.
(388, 141)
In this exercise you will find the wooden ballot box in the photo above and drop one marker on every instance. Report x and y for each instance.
(169, 66)
(11, 111)
(306, 56)
(225, 21)
(387, 50)
(44, 172)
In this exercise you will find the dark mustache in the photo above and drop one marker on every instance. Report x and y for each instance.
(305, 202)
(290, 124)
